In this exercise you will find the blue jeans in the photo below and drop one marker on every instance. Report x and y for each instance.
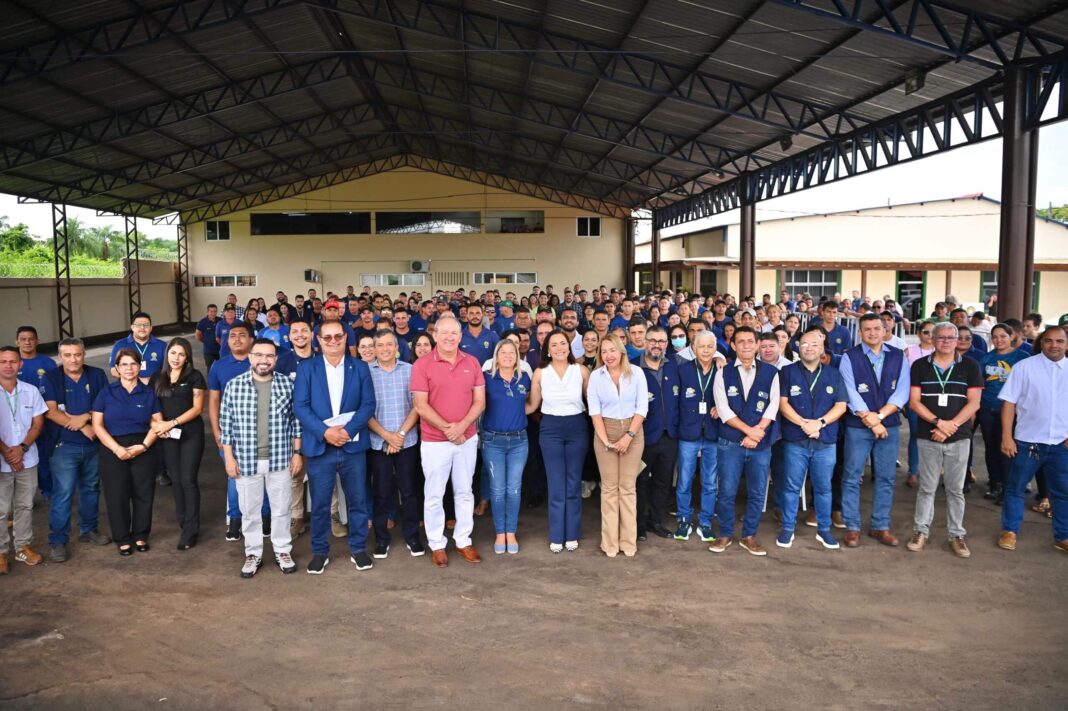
(1028, 460)
(734, 461)
(860, 443)
(73, 465)
(564, 441)
(688, 450)
(817, 461)
(914, 449)
(233, 509)
(503, 457)
(323, 472)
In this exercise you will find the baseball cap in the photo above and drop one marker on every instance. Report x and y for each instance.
(506, 303)
(332, 303)
(749, 311)
(1063, 320)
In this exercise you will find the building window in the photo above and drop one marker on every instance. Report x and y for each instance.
(817, 282)
(218, 231)
(589, 226)
(225, 280)
(515, 222)
(505, 278)
(427, 223)
(910, 293)
(310, 223)
(393, 279)
(988, 286)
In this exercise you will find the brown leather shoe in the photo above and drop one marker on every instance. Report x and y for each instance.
(4, 566)
(721, 544)
(852, 539)
(440, 558)
(752, 545)
(836, 520)
(1007, 541)
(1061, 545)
(470, 554)
(810, 519)
(959, 547)
(913, 481)
(884, 537)
(917, 542)
(28, 555)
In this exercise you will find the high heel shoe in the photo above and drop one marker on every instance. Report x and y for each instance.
(142, 546)
(126, 550)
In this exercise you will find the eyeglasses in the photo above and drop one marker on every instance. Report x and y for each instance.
(264, 356)
(142, 325)
(925, 333)
(946, 338)
(809, 345)
(332, 337)
(656, 341)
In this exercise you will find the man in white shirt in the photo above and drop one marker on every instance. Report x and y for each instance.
(1034, 420)
(21, 421)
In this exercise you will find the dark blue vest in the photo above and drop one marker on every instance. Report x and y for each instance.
(875, 394)
(663, 388)
(692, 424)
(749, 410)
(810, 405)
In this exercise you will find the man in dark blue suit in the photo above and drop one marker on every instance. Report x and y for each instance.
(334, 399)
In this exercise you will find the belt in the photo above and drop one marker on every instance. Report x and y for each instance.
(516, 433)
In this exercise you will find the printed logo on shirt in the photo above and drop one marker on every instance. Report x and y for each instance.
(675, 390)
(760, 406)
(650, 397)
(523, 389)
(154, 356)
(862, 388)
(732, 391)
(830, 390)
(838, 340)
(690, 392)
(893, 384)
(795, 390)
(763, 394)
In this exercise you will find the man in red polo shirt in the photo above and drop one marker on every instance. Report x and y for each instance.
(449, 394)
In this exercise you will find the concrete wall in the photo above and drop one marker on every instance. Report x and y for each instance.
(101, 306)
(558, 256)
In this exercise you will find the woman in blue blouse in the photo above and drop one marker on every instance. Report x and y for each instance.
(504, 441)
(995, 367)
(123, 414)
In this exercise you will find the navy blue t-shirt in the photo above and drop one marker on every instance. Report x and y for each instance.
(505, 403)
(224, 370)
(222, 332)
(126, 413)
(33, 370)
(152, 353)
(482, 347)
(206, 329)
(77, 398)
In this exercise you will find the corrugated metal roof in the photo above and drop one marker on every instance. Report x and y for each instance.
(185, 103)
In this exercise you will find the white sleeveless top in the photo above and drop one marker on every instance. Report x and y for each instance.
(561, 396)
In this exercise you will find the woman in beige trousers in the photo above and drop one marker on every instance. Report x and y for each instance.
(618, 401)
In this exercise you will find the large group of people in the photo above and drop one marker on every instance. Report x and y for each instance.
(383, 411)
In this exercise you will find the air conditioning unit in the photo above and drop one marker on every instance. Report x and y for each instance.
(313, 275)
(419, 266)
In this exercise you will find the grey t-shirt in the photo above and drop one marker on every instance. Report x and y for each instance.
(263, 404)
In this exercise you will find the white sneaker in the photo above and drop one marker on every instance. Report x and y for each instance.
(285, 563)
(555, 548)
(252, 564)
(571, 546)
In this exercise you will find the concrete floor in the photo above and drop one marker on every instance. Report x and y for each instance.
(674, 627)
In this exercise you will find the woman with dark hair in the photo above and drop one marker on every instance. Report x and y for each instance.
(180, 389)
(423, 344)
(557, 389)
(123, 414)
(252, 317)
(995, 367)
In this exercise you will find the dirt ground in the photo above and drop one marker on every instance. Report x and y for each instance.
(676, 627)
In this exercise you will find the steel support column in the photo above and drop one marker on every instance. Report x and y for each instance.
(62, 258)
(1032, 187)
(1017, 212)
(654, 257)
(747, 254)
(133, 266)
(185, 309)
(628, 254)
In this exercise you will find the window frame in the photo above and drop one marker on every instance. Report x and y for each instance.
(229, 281)
(589, 221)
(509, 278)
(793, 285)
(218, 238)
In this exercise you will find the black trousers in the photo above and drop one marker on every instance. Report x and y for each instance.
(182, 457)
(654, 484)
(129, 488)
(390, 473)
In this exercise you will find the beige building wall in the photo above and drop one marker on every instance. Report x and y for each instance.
(851, 279)
(1053, 295)
(558, 256)
(966, 285)
(934, 290)
(100, 306)
(765, 283)
(880, 283)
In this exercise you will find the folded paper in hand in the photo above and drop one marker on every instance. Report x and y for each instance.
(340, 421)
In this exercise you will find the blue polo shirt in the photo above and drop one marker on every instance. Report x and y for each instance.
(126, 413)
(76, 398)
(416, 322)
(34, 370)
(153, 354)
(502, 324)
(505, 403)
(480, 348)
(279, 335)
(224, 370)
(206, 329)
(838, 340)
(288, 362)
(222, 332)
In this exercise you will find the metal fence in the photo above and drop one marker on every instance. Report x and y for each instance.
(18, 270)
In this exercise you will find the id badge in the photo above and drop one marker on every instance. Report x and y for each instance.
(702, 408)
(943, 400)
(144, 366)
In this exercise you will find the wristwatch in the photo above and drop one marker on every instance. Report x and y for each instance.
(175, 422)
(823, 422)
(881, 416)
(934, 422)
(25, 447)
(632, 435)
(402, 433)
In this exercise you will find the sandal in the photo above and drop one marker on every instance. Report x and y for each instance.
(1043, 507)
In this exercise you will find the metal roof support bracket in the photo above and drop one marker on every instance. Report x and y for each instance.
(64, 309)
(133, 265)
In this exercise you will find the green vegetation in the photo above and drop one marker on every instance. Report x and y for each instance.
(95, 252)
(1055, 213)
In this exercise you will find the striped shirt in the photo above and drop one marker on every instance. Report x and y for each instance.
(393, 401)
(237, 422)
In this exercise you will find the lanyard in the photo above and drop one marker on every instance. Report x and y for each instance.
(938, 375)
(819, 372)
(141, 350)
(705, 383)
(13, 406)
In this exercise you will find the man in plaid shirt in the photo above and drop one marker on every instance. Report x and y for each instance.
(261, 446)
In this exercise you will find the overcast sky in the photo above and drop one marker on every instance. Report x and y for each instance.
(964, 171)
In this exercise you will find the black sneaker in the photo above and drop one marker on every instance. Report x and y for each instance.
(267, 526)
(362, 561)
(661, 531)
(233, 530)
(163, 480)
(318, 564)
(416, 549)
(381, 550)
